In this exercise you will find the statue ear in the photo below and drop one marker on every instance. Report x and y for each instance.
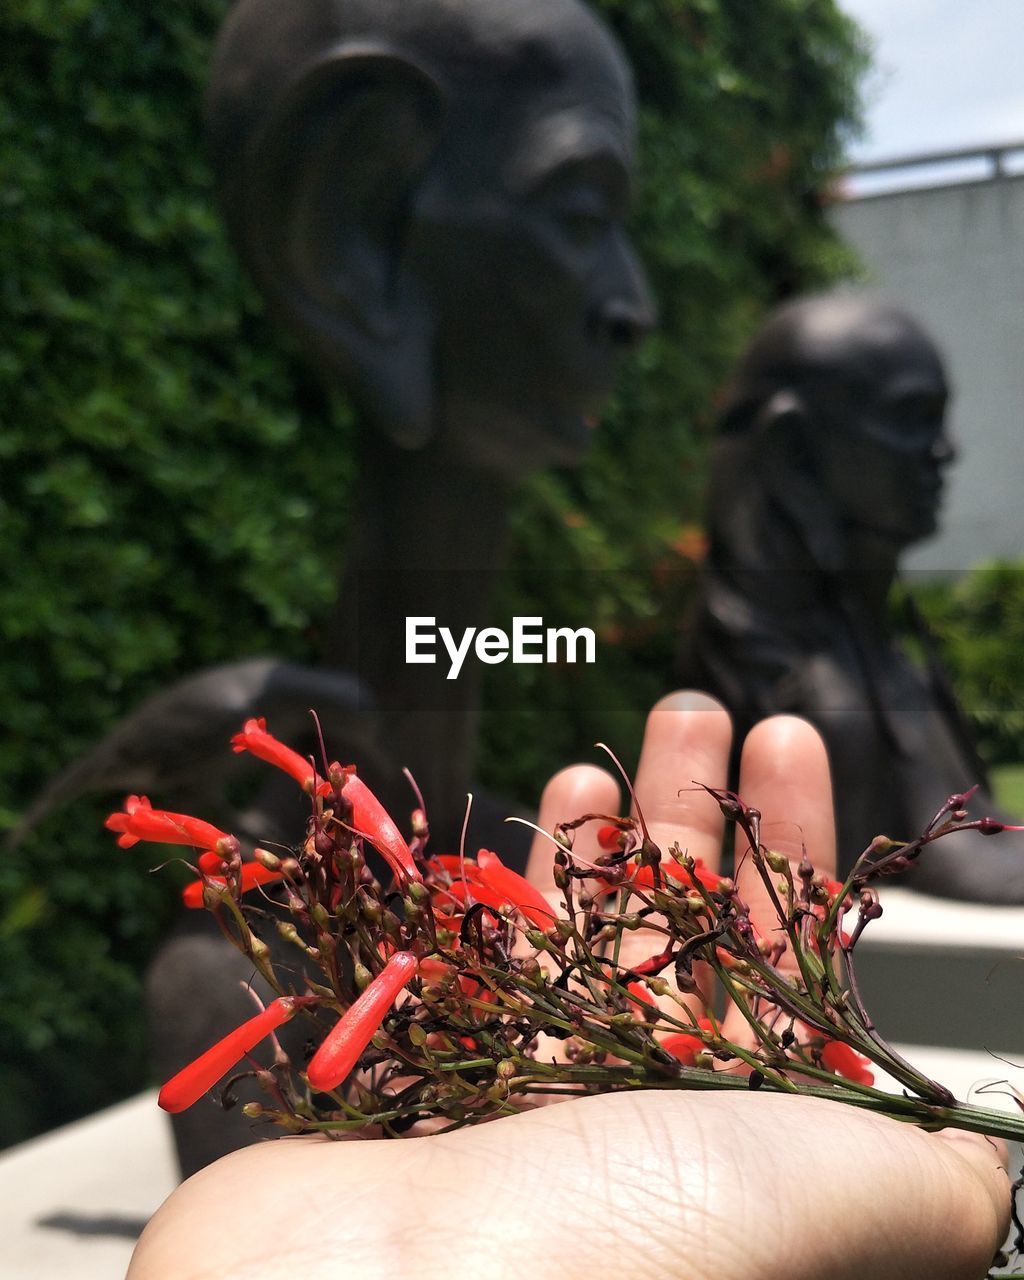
(330, 181)
(792, 476)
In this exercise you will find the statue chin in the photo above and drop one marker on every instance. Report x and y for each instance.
(516, 442)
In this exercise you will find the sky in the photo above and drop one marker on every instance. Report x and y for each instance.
(948, 74)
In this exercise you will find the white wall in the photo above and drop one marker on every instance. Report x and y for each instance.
(954, 257)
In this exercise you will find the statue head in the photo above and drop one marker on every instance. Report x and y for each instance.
(431, 195)
(843, 398)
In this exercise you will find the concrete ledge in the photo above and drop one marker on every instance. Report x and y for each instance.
(945, 973)
(75, 1200)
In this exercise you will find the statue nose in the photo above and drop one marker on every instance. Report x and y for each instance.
(624, 322)
(944, 450)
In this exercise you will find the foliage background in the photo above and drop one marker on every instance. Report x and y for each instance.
(173, 480)
(979, 621)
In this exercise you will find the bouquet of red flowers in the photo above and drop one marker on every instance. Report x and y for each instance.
(447, 988)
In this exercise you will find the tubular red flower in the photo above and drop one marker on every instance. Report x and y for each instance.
(610, 837)
(255, 739)
(372, 820)
(686, 1047)
(253, 875)
(189, 1085)
(640, 992)
(508, 886)
(672, 870)
(844, 1061)
(336, 1058)
(140, 821)
(452, 864)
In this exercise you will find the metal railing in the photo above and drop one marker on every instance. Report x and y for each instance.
(935, 169)
(995, 155)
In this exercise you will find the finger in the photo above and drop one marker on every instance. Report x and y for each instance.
(686, 741)
(784, 773)
(571, 793)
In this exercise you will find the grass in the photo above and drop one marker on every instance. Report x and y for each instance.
(1008, 787)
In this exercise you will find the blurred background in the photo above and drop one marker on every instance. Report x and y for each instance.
(175, 485)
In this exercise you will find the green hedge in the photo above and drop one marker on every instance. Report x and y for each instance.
(978, 620)
(173, 482)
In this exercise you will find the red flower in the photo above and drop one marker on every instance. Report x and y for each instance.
(336, 1058)
(672, 870)
(192, 1082)
(610, 837)
(140, 821)
(844, 1061)
(686, 1047)
(253, 875)
(255, 739)
(372, 820)
(504, 885)
(640, 991)
(450, 863)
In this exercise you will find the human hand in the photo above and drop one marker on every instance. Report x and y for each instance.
(671, 1184)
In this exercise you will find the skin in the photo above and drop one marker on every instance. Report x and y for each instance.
(683, 1185)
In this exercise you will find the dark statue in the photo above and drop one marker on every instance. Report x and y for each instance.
(430, 195)
(829, 462)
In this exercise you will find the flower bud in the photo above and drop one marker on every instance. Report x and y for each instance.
(368, 908)
(214, 893)
(289, 933)
(267, 859)
(361, 976)
(777, 861)
(322, 843)
(650, 854)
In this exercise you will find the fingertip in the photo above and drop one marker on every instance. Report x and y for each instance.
(571, 793)
(692, 723)
(785, 737)
(584, 783)
(785, 773)
(689, 701)
(785, 751)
